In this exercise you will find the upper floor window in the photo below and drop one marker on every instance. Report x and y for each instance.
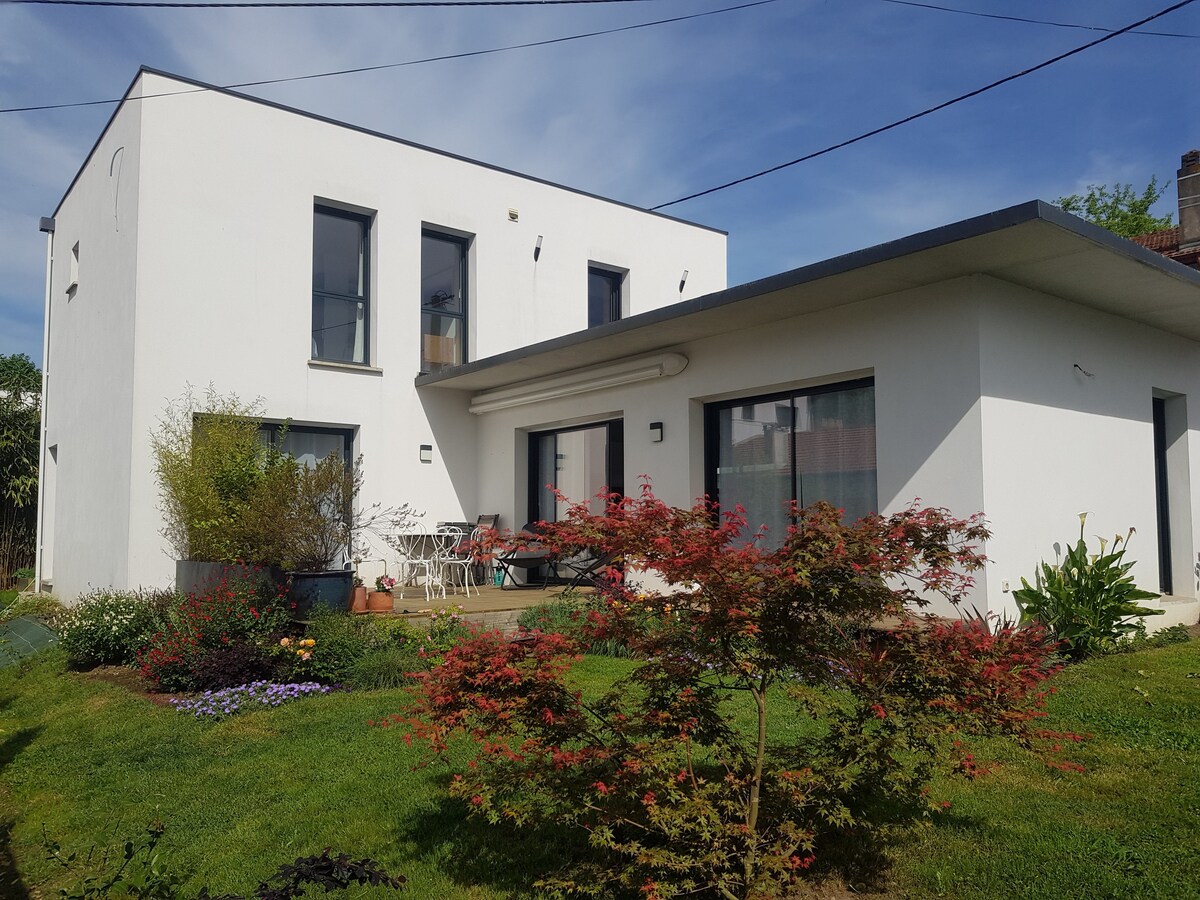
(604, 295)
(340, 298)
(443, 301)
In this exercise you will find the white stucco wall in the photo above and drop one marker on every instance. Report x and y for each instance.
(978, 408)
(1058, 442)
(224, 293)
(89, 365)
(920, 346)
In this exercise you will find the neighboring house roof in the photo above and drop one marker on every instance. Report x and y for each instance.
(204, 86)
(826, 450)
(1166, 242)
(1034, 245)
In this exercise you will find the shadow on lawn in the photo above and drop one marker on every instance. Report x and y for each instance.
(12, 887)
(501, 857)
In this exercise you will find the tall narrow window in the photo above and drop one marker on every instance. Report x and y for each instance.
(818, 444)
(604, 296)
(340, 299)
(1162, 495)
(443, 301)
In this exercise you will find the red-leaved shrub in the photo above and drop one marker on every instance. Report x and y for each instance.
(676, 793)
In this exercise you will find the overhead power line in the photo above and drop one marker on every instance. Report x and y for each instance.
(930, 110)
(255, 4)
(983, 15)
(411, 62)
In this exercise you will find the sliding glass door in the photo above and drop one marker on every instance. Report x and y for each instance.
(816, 444)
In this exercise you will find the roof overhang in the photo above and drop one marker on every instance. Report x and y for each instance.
(1034, 245)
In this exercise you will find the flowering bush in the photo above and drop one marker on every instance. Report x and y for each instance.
(248, 611)
(230, 701)
(447, 629)
(676, 798)
(1088, 601)
(109, 627)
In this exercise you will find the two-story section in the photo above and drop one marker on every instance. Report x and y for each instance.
(212, 238)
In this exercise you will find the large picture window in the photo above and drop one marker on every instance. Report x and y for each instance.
(340, 299)
(443, 301)
(810, 445)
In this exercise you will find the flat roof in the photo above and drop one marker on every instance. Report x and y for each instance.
(203, 86)
(1033, 244)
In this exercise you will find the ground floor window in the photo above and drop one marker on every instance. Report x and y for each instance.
(806, 445)
(578, 462)
(309, 443)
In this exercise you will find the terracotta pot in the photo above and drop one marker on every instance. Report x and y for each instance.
(358, 600)
(380, 601)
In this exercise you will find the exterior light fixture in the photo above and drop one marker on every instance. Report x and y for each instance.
(682, 280)
(537, 249)
(656, 432)
(427, 453)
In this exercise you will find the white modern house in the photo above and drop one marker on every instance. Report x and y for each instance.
(1024, 363)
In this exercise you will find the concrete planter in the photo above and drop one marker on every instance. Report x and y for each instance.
(330, 590)
(196, 577)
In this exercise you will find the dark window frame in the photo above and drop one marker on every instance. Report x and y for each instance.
(1162, 496)
(464, 243)
(367, 221)
(272, 430)
(614, 460)
(616, 280)
(712, 431)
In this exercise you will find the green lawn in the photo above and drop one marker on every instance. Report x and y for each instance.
(93, 762)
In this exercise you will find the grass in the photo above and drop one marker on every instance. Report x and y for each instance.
(94, 762)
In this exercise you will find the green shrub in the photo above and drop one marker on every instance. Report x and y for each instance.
(339, 642)
(1088, 602)
(110, 627)
(386, 667)
(1173, 634)
(43, 606)
(568, 615)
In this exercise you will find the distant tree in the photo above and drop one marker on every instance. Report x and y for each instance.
(1118, 208)
(20, 420)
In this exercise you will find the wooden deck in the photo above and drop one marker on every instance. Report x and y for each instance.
(490, 607)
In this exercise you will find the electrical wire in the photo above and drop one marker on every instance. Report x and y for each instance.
(983, 15)
(259, 4)
(411, 62)
(930, 110)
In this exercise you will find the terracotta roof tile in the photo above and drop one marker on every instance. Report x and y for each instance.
(1159, 241)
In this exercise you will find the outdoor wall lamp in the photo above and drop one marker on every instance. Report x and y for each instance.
(656, 432)
(427, 453)
(537, 249)
(682, 280)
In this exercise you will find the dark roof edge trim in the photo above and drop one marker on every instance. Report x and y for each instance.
(367, 131)
(96, 143)
(977, 226)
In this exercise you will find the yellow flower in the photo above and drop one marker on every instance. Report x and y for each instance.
(308, 642)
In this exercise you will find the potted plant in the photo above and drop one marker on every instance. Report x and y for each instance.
(358, 601)
(211, 467)
(381, 599)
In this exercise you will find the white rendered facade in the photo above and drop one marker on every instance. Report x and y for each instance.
(184, 254)
(993, 392)
(1018, 364)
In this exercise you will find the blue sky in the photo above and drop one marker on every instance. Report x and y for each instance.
(650, 115)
